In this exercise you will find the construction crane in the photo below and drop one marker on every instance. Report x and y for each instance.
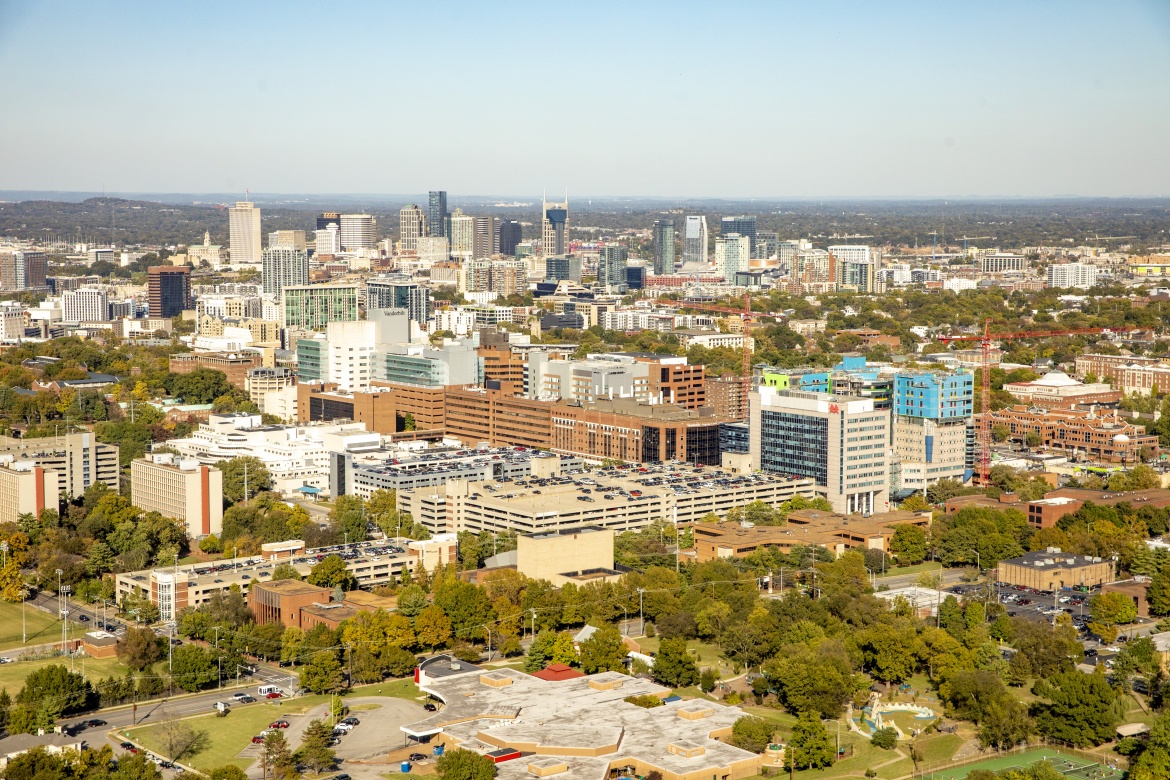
(965, 239)
(985, 363)
(748, 315)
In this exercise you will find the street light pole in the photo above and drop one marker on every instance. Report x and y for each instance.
(641, 614)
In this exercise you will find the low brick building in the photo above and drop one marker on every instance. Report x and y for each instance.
(234, 365)
(1135, 589)
(1053, 569)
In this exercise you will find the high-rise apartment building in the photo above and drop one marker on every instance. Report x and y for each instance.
(181, 489)
(357, 232)
(431, 250)
(462, 236)
(23, 269)
(26, 489)
(663, 246)
(244, 234)
(78, 459)
(855, 267)
(399, 292)
(284, 266)
(840, 442)
(732, 254)
(328, 240)
(314, 306)
(554, 228)
(168, 289)
(1000, 262)
(744, 225)
(411, 227)
(931, 412)
(767, 242)
(437, 215)
(695, 240)
(87, 304)
(509, 237)
(1064, 276)
(487, 237)
(611, 268)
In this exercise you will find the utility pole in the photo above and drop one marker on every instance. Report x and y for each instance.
(60, 609)
(533, 611)
(641, 615)
(246, 486)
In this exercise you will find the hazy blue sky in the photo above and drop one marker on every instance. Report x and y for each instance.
(812, 98)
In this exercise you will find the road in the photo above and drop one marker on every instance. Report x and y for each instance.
(949, 577)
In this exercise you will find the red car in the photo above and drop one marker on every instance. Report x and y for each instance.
(273, 695)
(278, 724)
(257, 740)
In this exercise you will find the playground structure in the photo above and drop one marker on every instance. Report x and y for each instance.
(874, 716)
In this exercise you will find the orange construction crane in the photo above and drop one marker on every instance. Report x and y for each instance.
(748, 315)
(985, 406)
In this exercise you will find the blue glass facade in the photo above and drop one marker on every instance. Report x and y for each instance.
(934, 396)
(794, 444)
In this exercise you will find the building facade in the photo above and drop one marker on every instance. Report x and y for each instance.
(179, 489)
(664, 246)
(312, 307)
(284, 266)
(245, 234)
(168, 290)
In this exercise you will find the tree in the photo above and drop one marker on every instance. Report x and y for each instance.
(348, 517)
(285, 571)
(810, 746)
(178, 736)
(275, 755)
(1080, 709)
(315, 752)
(201, 386)
(331, 573)
(1006, 724)
(886, 739)
(673, 666)
(233, 478)
(1154, 762)
(707, 680)
(192, 667)
(135, 767)
(1108, 610)
(228, 772)
(322, 674)
(908, 544)
(433, 628)
(752, 734)
(66, 690)
(460, 764)
(603, 651)
(412, 600)
(1000, 433)
(1033, 439)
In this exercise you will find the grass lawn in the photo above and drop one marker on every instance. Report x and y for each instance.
(901, 571)
(42, 627)
(938, 747)
(400, 689)
(12, 676)
(227, 736)
(1019, 760)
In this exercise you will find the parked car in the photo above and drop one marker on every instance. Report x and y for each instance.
(430, 707)
(95, 723)
(416, 757)
(278, 724)
(257, 740)
(351, 721)
(343, 726)
(126, 746)
(239, 696)
(246, 699)
(273, 695)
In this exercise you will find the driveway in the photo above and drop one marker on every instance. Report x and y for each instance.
(379, 731)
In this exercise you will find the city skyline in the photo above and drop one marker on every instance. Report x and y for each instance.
(905, 100)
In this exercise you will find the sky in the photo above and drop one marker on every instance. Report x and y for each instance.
(818, 98)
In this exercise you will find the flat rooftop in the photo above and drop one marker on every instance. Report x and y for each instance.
(1054, 558)
(584, 722)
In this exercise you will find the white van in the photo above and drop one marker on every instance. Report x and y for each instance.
(264, 690)
(221, 706)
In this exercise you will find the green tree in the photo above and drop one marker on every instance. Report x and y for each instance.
(412, 600)
(228, 772)
(707, 680)
(810, 746)
(285, 571)
(673, 666)
(604, 651)
(1154, 762)
(275, 755)
(233, 478)
(752, 733)
(348, 517)
(192, 667)
(315, 752)
(331, 573)
(886, 739)
(1108, 610)
(908, 544)
(201, 386)
(432, 627)
(1000, 433)
(1079, 709)
(322, 674)
(460, 764)
(66, 690)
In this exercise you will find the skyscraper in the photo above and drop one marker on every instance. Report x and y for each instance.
(554, 233)
(664, 246)
(462, 236)
(487, 237)
(732, 252)
(328, 240)
(244, 233)
(357, 232)
(411, 227)
(284, 266)
(293, 238)
(744, 225)
(437, 215)
(168, 289)
(328, 218)
(22, 269)
(509, 236)
(695, 240)
(87, 304)
(611, 268)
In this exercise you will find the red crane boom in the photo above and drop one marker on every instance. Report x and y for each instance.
(985, 406)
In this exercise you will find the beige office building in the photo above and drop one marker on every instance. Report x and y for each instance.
(411, 227)
(182, 489)
(244, 234)
(25, 489)
(577, 556)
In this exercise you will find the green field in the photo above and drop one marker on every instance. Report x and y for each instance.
(12, 676)
(226, 736)
(41, 627)
(1063, 762)
(901, 571)
(704, 653)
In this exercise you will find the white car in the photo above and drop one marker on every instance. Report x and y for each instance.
(344, 727)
